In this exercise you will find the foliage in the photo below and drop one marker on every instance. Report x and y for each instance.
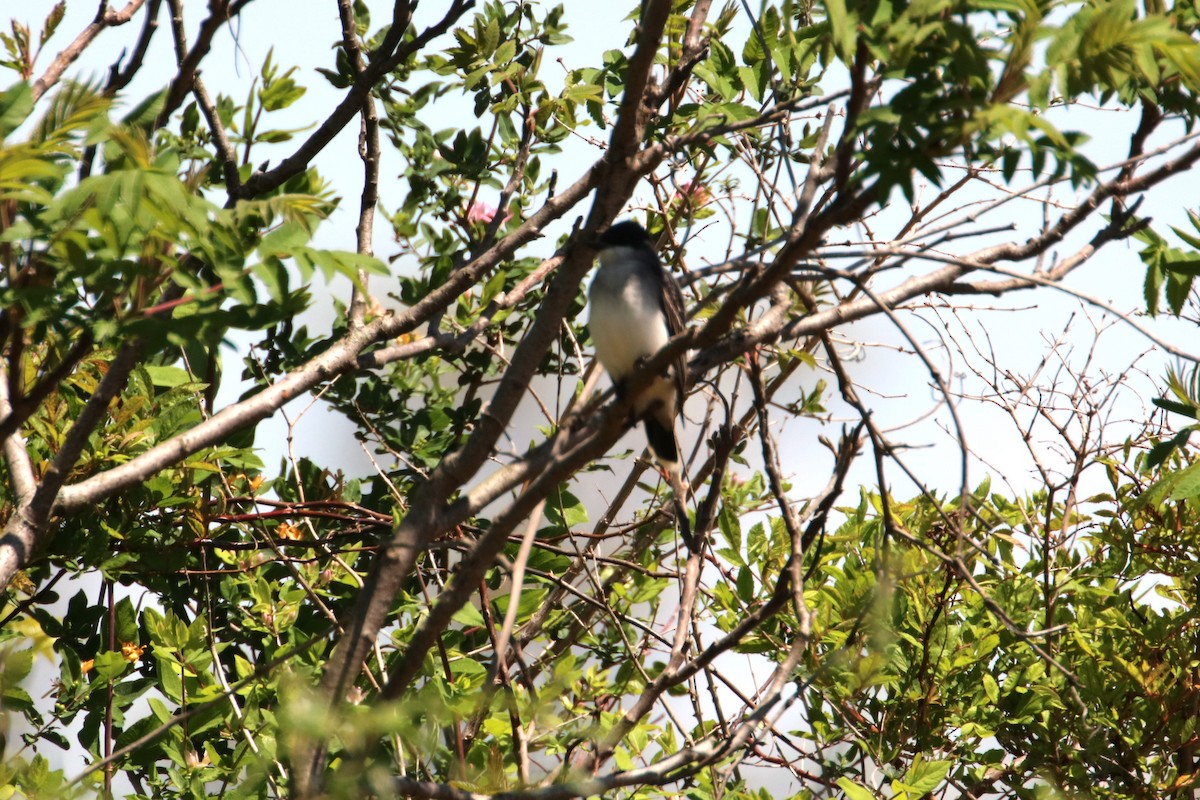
(502, 604)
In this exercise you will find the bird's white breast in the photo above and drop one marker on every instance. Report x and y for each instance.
(626, 318)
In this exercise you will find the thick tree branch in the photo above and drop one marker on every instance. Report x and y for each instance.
(337, 359)
(425, 515)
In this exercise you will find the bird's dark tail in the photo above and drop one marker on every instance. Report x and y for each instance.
(662, 440)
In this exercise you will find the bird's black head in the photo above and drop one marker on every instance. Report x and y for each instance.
(624, 234)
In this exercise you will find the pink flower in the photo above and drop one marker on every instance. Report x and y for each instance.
(483, 212)
(694, 191)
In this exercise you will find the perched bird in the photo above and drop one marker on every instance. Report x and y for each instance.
(636, 306)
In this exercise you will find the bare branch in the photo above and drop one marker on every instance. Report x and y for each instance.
(368, 152)
(392, 51)
(229, 167)
(220, 12)
(107, 19)
(118, 77)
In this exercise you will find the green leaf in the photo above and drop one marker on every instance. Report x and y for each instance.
(1162, 450)
(991, 688)
(1176, 264)
(284, 239)
(566, 510)
(491, 36)
(167, 377)
(16, 104)
(843, 26)
(745, 585)
(1186, 485)
(274, 276)
(109, 665)
(505, 52)
(925, 776)
(469, 616)
(145, 112)
(1179, 287)
(15, 666)
(855, 791)
(1181, 485)
(281, 93)
(1152, 288)
(127, 624)
(1189, 411)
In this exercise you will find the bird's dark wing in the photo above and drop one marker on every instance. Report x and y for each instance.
(673, 310)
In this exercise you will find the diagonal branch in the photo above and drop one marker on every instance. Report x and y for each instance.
(107, 18)
(390, 53)
(713, 747)
(25, 532)
(220, 12)
(119, 78)
(426, 514)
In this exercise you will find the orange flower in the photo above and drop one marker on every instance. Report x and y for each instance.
(132, 651)
(289, 532)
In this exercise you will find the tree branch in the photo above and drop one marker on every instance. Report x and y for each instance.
(25, 532)
(16, 454)
(220, 12)
(108, 19)
(368, 153)
(391, 52)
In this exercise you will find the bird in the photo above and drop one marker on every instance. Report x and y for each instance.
(635, 307)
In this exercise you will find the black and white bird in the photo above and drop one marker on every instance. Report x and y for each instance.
(636, 306)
